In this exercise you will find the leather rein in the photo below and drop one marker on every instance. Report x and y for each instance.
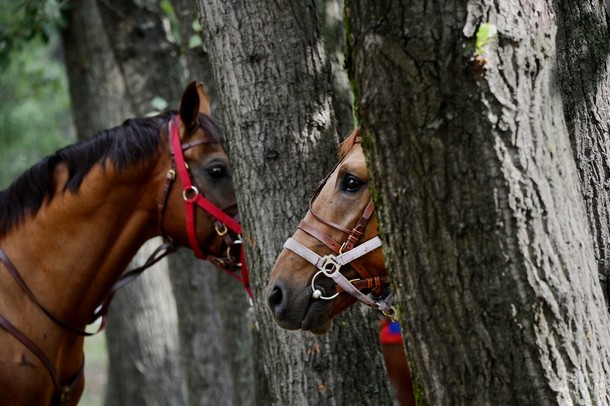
(192, 197)
(347, 253)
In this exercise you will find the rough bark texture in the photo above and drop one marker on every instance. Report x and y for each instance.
(273, 81)
(215, 341)
(214, 323)
(97, 88)
(484, 226)
(333, 32)
(583, 43)
(142, 333)
(147, 54)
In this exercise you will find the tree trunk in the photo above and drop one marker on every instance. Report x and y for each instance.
(583, 36)
(273, 81)
(97, 89)
(142, 332)
(331, 16)
(485, 231)
(214, 324)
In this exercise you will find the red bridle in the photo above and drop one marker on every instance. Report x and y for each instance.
(192, 197)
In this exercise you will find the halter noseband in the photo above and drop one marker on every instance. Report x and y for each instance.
(347, 253)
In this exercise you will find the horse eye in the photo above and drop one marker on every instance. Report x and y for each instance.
(351, 184)
(216, 172)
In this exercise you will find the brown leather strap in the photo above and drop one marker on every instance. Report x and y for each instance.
(169, 181)
(62, 392)
(320, 236)
(358, 229)
(189, 145)
(21, 282)
(368, 283)
(159, 253)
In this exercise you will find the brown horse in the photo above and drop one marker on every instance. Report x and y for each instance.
(334, 260)
(71, 223)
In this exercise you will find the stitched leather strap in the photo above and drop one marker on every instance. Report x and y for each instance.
(62, 392)
(21, 282)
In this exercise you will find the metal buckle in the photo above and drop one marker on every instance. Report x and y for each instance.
(221, 232)
(330, 265)
(171, 174)
(390, 313)
(66, 396)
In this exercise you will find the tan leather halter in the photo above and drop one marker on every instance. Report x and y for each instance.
(346, 253)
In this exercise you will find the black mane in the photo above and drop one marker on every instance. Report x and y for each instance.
(135, 141)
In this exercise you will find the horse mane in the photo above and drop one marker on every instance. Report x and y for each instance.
(348, 142)
(133, 142)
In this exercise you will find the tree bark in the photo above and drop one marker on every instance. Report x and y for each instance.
(484, 226)
(333, 32)
(214, 323)
(95, 82)
(142, 336)
(273, 81)
(583, 43)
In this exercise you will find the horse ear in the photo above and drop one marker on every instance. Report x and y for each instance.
(189, 106)
(204, 100)
(194, 100)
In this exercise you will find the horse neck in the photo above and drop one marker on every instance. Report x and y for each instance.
(78, 244)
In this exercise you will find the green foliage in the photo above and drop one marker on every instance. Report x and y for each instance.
(485, 34)
(35, 117)
(195, 39)
(168, 11)
(25, 20)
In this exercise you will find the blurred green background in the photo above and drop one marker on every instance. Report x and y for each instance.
(35, 117)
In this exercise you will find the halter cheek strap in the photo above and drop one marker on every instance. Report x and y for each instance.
(193, 197)
(191, 194)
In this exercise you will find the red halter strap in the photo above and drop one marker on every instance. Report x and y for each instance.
(193, 197)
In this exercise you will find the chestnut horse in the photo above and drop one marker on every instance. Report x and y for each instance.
(71, 223)
(334, 260)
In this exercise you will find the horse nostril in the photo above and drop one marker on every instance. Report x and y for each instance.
(275, 297)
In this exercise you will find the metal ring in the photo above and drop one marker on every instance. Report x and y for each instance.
(229, 256)
(317, 293)
(192, 190)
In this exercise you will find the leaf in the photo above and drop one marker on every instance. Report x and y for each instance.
(485, 34)
(195, 41)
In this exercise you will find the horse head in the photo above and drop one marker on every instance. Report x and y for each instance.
(200, 211)
(332, 260)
